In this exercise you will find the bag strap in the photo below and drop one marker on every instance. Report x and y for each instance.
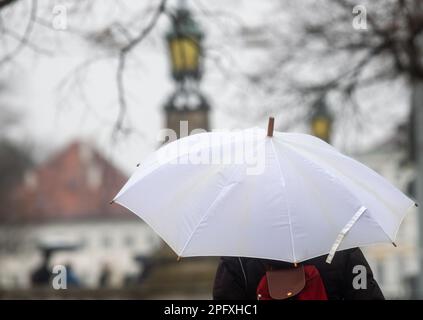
(243, 273)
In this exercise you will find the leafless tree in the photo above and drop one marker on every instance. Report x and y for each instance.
(336, 49)
(309, 49)
(116, 39)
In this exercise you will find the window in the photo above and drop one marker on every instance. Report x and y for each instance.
(129, 241)
(107, 241)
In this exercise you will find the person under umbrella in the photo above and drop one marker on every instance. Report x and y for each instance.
(298, 199)
(348, 277)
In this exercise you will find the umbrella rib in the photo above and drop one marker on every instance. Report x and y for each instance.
(205, 216)
(287, 201)
(349, 177)
(339, 181)
(174, 158)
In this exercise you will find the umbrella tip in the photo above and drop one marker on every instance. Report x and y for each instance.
(178, 258)
(113, 201)
(394, 244)
(270, 126)
(416, 204)
(138, 164)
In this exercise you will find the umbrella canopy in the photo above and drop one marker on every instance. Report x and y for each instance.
(288, 197)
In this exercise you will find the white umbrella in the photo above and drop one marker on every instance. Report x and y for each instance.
(281, 196)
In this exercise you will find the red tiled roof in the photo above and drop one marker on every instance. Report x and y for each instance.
(77, 183)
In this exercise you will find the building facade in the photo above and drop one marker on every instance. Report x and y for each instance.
(395, 268)
(64, 204)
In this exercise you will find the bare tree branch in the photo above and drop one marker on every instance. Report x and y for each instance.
(122, 55)
(24, 40)
(5, 3)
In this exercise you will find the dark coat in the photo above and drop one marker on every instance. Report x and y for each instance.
(238, 278)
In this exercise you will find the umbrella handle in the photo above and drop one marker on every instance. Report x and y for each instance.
(270, 126)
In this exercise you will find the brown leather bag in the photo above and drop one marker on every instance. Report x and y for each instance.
(286, 283)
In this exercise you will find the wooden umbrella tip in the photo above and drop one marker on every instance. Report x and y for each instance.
(270, 126)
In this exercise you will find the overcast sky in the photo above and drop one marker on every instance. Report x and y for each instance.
(86, 108)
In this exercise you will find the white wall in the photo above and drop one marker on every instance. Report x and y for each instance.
(114, 243)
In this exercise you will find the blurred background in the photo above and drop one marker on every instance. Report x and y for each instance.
(86, 86)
